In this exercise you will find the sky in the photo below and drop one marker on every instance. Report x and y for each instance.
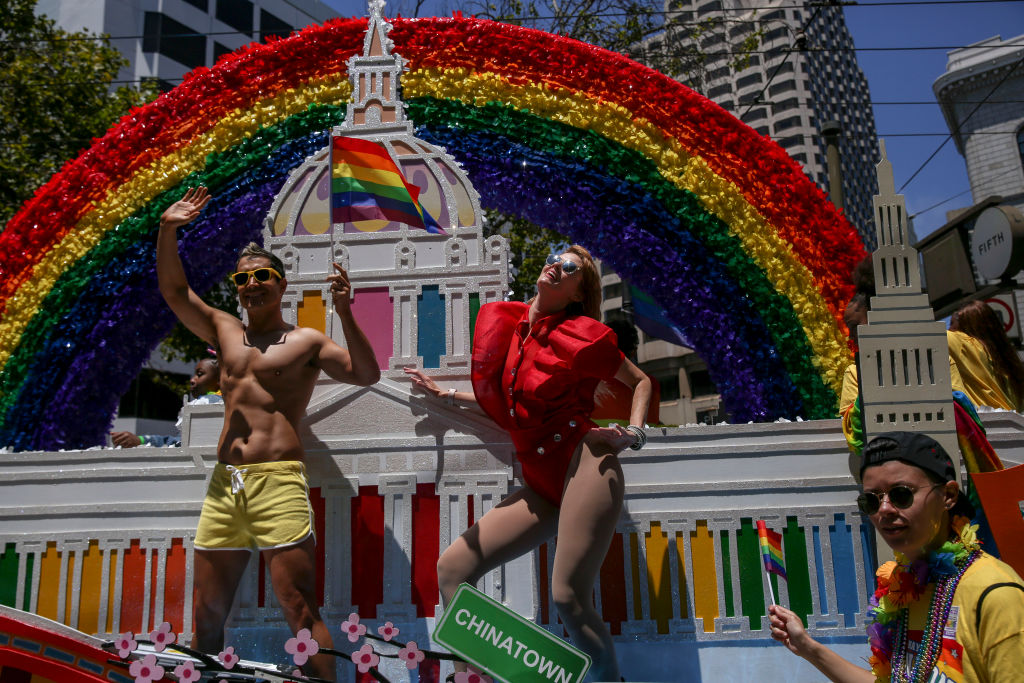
(893, 76)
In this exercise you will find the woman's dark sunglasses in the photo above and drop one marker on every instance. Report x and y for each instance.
(900, 497)
(241, 278)
(568, 267)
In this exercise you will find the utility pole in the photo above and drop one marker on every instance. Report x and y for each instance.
(831, 130)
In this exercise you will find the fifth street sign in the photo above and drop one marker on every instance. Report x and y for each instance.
(497, 640)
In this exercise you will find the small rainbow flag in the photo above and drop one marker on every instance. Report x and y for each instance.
(771, 550)
(367, 185)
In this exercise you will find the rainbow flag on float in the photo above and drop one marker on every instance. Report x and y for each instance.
(771, 550)
(366, 184)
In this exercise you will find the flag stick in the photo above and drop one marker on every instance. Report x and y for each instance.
(768, 578)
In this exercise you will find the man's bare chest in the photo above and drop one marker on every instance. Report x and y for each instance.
(269, 360)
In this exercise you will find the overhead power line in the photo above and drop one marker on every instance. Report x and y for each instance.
(938, 204)
(1009, 72)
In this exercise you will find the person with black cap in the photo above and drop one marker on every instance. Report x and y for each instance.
(944, 610)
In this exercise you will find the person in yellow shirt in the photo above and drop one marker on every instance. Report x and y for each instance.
(945, 610)
(992, 372)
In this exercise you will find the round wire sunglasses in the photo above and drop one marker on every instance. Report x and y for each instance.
(900, 497)
(568, 267)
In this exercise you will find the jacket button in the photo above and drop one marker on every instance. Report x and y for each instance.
(540, 450)
(572, 423)
(557, 437)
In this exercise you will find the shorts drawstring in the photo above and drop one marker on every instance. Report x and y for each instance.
(237, 482)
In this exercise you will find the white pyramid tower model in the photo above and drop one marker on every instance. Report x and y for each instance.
(903, 357)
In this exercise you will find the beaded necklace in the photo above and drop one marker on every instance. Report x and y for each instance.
(902, 583)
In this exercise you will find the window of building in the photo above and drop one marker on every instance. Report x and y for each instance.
(711, 40)
(613, 291)
(709, 7)
(715, 74)
(785, 105)
(719, 90)
(787, 123)
(669, 385)
(776, 33)
(272, 26)
(791, 141)
(201, 4)
(170, 38)
(220, 50)
(753, 115)
(237, 14)
(780, 88)
(684, 15)
(700, 384)
(748, 80)
(741, 30)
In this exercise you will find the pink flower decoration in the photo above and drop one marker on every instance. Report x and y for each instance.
(125, 644)
(353, 628)
(301, 647)
(472, 676)
(162, 637)
(411, 655)
(187, 673)
(387, 631)
(228, 657)
(365, 657)
(146, 670)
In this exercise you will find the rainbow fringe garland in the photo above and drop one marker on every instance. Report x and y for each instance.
(715, 222)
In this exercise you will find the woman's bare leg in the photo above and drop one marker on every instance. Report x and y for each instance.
(516, 525)
(590, 510)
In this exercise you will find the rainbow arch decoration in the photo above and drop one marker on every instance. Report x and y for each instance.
(715, 222)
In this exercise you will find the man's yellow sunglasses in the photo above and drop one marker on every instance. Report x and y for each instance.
(241, 278)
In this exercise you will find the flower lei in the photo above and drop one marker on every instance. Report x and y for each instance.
(901, 583)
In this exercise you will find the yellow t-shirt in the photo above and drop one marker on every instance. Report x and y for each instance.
(981, 384)
(989, 650)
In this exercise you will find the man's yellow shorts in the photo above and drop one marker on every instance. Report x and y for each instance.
(262, 506)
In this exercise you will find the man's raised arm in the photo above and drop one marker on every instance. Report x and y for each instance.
(186, 304)
(358, 364)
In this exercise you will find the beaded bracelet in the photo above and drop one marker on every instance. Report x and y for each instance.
(641, 437)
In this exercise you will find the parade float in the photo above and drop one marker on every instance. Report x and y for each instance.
(713, 221)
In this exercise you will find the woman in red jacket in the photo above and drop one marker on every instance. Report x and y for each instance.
(535, 369)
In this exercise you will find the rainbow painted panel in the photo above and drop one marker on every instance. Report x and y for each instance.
(743, 251)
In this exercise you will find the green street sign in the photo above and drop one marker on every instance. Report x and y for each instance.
(497, 640)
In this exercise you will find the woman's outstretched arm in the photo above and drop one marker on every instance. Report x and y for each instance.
(789, 630)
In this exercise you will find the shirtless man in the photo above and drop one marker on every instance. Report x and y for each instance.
(258, 495)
